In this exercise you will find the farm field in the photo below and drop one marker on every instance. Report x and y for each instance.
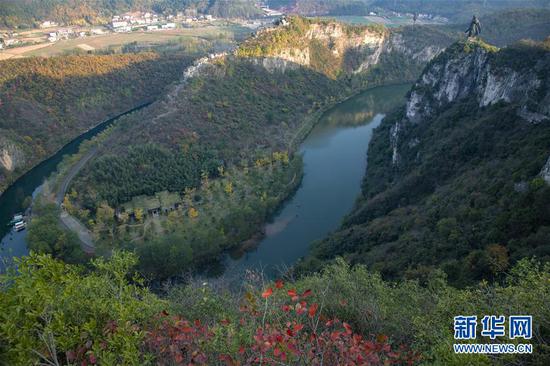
(113, 40)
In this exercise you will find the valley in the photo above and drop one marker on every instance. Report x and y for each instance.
(316, 192)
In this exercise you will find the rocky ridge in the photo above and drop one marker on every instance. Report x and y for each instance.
(474, 69)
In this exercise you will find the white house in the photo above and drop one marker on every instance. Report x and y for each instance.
(48, 24)
(169, 26)
(152, 27)
(10, 42)
(120, 24)
(126, 29)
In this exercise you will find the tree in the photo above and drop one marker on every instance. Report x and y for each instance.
(139, 214)
(193, 212)
(105, 217)
(228, 188)
(498, 258)
(54, 313)
(46, 236)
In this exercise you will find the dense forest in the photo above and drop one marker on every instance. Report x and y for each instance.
(231, 146)
(466, 192)
(46, 102)
(30, 13)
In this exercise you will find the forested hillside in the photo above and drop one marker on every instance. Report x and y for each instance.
(454, 179)
(46, 102)
(231, 130)
(30, 13)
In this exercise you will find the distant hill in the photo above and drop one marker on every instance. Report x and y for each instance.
(29, 13)
(456, 10)
(508, 26)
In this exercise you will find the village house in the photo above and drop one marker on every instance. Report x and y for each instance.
(10, 42)
(64, 33)
(119, 24)
(125, 29)
(169, 26)
(48, 24)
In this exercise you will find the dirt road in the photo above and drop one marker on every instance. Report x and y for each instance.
(68, 221)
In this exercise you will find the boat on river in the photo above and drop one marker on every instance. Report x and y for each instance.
(18, 222)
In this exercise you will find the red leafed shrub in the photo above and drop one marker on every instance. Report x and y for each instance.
(287, 331)
(178, 341)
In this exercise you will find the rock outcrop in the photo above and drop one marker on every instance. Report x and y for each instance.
(349, 49)
(476, 69)
(473, 69)
(545, 172)
(11, 156)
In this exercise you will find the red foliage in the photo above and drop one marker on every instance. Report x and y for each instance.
(178, 341)
(287, 334)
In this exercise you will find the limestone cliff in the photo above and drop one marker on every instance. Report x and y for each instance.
(476, 69)
(337, 49)
(11, 156)
(517, 76)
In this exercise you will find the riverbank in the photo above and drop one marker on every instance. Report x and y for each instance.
(334, 159)
(12, 199)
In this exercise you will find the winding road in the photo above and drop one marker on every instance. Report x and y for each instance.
(68, 221)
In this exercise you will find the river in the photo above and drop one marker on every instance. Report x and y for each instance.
(334, 156)
(335, 161)
(13, 243)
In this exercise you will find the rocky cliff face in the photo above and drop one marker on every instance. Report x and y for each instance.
(545, 172)
(11, 156)
(476, 70)
(334, 48)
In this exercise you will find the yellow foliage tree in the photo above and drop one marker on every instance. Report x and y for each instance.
(67, 204)
(228, 188)
(193, 213)
(138, 213)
